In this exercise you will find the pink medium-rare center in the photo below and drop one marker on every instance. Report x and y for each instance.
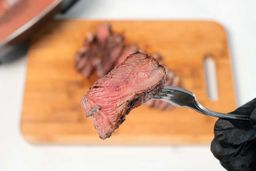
(127, 86)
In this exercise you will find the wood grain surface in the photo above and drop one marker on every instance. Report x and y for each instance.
(51, 109)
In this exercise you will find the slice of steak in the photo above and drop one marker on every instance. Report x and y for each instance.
(127, 86)
(100, 52)
(83, 61)
(104, 31)
(110, 51)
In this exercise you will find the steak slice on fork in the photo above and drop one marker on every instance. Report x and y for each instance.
(128, 85)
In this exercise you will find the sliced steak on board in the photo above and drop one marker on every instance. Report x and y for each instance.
(100, 52)
(127, 86)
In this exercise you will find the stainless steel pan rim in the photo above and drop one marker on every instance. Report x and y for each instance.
(30, 23)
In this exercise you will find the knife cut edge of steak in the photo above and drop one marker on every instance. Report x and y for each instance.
(101, 109)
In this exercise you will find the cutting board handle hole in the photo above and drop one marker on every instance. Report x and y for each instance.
(210, 78)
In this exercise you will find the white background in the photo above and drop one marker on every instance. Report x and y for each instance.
(239, 18)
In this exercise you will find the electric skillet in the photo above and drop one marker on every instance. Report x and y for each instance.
(20, 18)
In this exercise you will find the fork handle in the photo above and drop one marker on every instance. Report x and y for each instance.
(200, 108)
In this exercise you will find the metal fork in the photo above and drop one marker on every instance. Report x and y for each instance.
(185, 98)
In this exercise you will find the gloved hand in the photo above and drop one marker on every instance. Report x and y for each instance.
(234, 143)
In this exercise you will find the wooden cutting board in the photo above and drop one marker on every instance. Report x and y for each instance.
(52, 112)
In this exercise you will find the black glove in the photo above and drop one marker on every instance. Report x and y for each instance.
(234, 142)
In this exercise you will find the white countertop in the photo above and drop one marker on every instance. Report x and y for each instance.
(239, 18)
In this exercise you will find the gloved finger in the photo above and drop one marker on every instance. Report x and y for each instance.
(224, 155)
(235, 158)
(229, 134)
(221, 152)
